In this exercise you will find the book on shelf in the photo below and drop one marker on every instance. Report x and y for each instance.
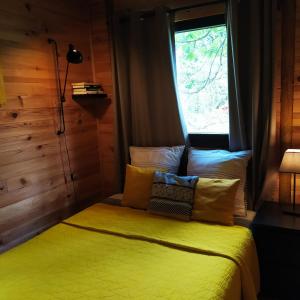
(88, 93)
(87, 90)
(86, 84)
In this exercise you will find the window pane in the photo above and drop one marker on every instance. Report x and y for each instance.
(201, 61)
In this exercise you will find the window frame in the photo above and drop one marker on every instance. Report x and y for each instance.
(204, 140)
(203, 22)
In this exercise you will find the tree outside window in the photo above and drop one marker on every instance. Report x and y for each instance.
(201, 62)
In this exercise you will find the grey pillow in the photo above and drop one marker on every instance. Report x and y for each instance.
(166, 158)
(172, 195)
(222, 164)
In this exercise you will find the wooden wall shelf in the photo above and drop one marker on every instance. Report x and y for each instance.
(89, 96)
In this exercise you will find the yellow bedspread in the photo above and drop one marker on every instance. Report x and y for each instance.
(121, 256)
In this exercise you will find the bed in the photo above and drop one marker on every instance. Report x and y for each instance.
(112, 252)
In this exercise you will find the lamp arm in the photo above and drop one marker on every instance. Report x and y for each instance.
(61, 129)
(52, 41)
(62, 98)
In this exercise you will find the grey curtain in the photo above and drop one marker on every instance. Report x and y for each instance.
(249, 25)
(146, 107)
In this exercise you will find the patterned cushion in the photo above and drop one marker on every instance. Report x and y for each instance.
(167, 158)
(222, 164)
(172, 195)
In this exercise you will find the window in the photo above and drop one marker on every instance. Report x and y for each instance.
(201, 62)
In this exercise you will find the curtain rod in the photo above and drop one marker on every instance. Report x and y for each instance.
(196, 5)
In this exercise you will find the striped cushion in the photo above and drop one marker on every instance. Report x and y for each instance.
(172, 195)
(222, 164)
(167, 158)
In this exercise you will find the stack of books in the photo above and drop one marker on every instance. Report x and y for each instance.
(86, 88)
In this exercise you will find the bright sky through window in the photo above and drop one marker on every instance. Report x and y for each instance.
(201, 61)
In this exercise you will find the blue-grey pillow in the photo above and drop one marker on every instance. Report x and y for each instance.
(222, 164)
(172, 195)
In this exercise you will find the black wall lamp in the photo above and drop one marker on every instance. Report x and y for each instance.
(73, 57)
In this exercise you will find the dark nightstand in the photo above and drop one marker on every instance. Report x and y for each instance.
(277, 237)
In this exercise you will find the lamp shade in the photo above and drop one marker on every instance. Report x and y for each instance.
(74, 56)
(290, 161)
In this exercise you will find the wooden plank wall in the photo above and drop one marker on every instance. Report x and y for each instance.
(287, 89)
(101, 53)
(35, 185)
(296, 103)
(277, 80)
(295, 126)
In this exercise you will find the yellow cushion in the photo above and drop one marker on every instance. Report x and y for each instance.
(214, 200)
(138, 185)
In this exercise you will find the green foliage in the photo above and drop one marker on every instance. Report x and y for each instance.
(201, 58)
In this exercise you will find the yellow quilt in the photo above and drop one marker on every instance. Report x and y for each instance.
(127, 253)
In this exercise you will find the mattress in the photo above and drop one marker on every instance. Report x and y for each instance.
(111, 252)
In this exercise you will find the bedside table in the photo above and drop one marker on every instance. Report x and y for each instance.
(277, 237)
